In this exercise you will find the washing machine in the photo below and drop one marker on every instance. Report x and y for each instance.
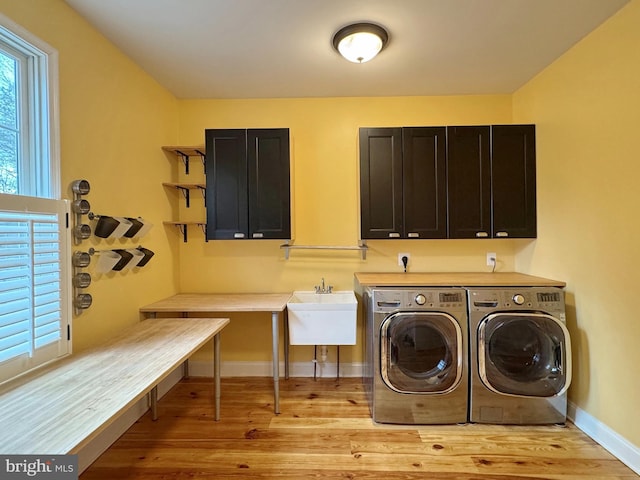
(520, 355)
(416, 355)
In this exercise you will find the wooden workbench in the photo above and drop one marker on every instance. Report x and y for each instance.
(276, 303)
(60, 408)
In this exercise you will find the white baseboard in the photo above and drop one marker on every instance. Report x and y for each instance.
(614, 443)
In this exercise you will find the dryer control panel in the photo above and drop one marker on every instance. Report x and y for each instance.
(390, 299)
(549, 299)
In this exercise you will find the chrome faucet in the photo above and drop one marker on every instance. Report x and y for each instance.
(322, 289)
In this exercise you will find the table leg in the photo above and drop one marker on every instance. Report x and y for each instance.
(185, 365)
(276, 361)
(154, 403)
(286, 344)
(216, 374)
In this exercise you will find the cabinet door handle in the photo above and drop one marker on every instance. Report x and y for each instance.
(238, 235)
(502, 234)
(482, 234)
(258, 235)
(413, 235)
(394, 235)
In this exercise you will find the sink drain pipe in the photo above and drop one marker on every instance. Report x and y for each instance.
(323, 359)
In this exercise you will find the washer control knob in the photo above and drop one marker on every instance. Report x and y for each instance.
(420, 299)
(518, 299)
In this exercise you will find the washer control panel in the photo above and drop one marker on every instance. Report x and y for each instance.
(388, 299)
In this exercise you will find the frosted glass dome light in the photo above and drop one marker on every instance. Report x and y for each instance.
(360, 42)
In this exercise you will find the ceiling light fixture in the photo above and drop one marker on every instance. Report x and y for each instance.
(360, 42)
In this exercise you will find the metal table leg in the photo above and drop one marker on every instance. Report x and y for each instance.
(216, 374)
(276, 360)
(185, 365)
(286, 343)
(154, 403)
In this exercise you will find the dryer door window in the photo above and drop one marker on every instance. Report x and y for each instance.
(524, 354)
(421, 352)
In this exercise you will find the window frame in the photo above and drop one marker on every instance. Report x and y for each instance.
(41, 191)
(40, 124)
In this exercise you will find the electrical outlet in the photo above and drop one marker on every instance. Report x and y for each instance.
(400, 255)
(492, 258)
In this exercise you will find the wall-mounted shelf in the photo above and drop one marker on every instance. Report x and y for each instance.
(185, 153)
(362, 248)
(183, 227)
(186, 187)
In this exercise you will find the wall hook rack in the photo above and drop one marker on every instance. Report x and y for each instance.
(121, 258)
(119, 227)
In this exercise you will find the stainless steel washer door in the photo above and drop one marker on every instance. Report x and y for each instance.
(524, 354)
(421, 352)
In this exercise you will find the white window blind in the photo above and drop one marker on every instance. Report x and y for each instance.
(34, 295)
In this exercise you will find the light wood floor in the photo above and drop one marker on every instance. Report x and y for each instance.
(325, 431)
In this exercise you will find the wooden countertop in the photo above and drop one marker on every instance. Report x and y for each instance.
(455, 279)
(220, 302)
(60, 408)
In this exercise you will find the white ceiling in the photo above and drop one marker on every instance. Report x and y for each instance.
(282, 48)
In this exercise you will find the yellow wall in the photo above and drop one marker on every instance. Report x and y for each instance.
(113, 119)
(586, 106)
(325, 202)
(587, 110)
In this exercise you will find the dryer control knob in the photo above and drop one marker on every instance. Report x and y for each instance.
(420, 299)
(518, 299)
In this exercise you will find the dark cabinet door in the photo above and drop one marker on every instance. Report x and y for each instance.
(226, 190)
(381, 183)
(513, 165)
(448, 182)
(269, 183)
(469, 182)
(248, 184)
(424, 182)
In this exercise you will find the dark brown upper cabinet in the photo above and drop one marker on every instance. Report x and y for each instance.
(469, 182)
(513, 181)
(248, 184)
(402, 182)
(448, 182)
(381, 183)
(491, 181)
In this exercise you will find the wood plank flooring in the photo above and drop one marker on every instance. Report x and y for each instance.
(325, 431)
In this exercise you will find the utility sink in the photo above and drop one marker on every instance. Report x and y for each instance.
(322, 318)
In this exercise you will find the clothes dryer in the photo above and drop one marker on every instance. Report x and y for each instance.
(520, 355)
(416, 355)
